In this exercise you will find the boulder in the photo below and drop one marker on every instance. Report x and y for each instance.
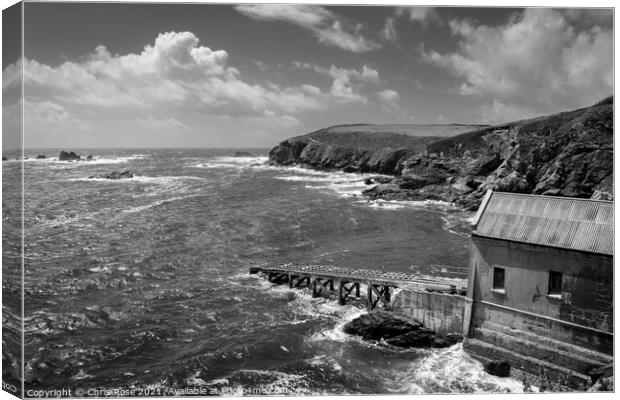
(413, 338)
(398, 332)
(41, 157)
(68, 156)
(89, 157)
(243, 154)
(499, 368)
(382, 190)
(379, 325)
(114, 175)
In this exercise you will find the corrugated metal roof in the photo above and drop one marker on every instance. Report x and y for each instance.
(576, 224)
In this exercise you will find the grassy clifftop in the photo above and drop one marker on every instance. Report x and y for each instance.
(368, 136)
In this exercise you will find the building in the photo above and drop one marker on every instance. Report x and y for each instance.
(540, 288)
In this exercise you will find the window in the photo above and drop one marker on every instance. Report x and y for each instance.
(555, 283)
(499, 278)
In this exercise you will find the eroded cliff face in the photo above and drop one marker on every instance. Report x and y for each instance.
(568, 154)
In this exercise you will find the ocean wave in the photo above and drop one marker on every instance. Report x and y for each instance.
(105, 159)
(243, 382)
(407, 204)
(342, 184)
(137, 209)
(232, 162)
(457, 224)
(162, 180)
(451, 370)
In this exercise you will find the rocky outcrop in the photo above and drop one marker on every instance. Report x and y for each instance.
(568, 154)
(68, 156)
(41, 157)
(378, 326)
(114, 175)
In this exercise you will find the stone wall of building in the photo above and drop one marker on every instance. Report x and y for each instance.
(441, 312)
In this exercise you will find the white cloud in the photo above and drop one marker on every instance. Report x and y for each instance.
(174, 72)
(389, 96)
(389, 30)
(50, 117)
(347, 83)
(12, 76)
(389, 101)
(536, 63)
(422, 15)
(325, 25)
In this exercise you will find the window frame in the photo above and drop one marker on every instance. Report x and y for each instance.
(495, 287)
(553, 290)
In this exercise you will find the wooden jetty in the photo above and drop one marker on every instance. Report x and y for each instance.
(323, 279)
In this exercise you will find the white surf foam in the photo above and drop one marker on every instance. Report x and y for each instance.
(104, 159)
(232, 162)
(451, 370)
(136, 209)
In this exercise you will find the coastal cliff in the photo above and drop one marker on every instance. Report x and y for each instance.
(567, 154)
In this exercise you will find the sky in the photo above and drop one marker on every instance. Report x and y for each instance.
(206, 75)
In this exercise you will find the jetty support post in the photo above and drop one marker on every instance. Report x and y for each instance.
(320, 286)
(345, 291)
(382, 294)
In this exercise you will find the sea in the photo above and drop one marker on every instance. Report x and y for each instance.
(141, 286)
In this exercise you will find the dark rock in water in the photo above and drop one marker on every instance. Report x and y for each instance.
(350, 169)
(454, 338)
(40, 157)
(114, 175)
(379, 325)
(499, 368)
(397, 332)
(4, 159)
(244, 154)
(89, 157)
(414, 338)
(378, 179)
(68, 156)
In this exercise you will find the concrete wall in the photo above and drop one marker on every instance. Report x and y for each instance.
(443, 313)
(586, 299)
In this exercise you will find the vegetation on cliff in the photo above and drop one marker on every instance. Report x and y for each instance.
(567, 154)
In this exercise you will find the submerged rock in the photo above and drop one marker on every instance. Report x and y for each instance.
(41, 157)
(397, 332)
(4, 159)
(114, 175)
(89, 157)
(68, 156)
